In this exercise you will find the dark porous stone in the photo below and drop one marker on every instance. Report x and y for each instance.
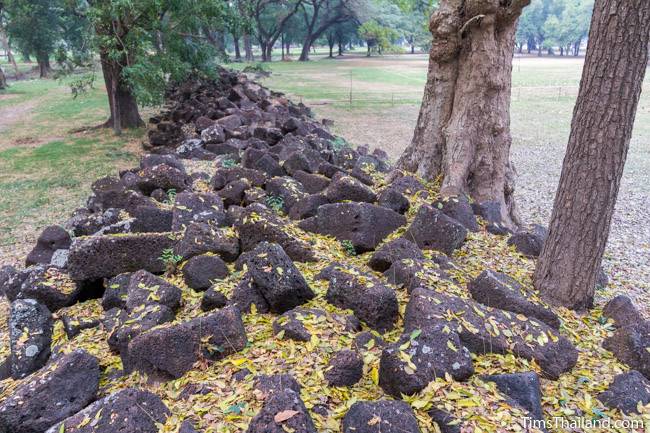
(65, 386)
(629, 344)
(498, 290)
(290, 323)
(382, 416)
(51, 287)
(286, 189)
(447, 423)
(268, 384)
(529, 242)
(393, 251)
(30, 336)
(197, 207)
(106, 256)
(258, 224)
(277, 278)
(622, 311)
(200, 271)
(213, 299)
(146, 289)
(349, 188)
(233, 193)
(371, 301)
(407, 185)
(281, 402)
(129, 410)
(433, 351)
(126, 327)
(170, 351)
(522, 388)
(366, 340)
(164, 177)
(52, 238)
(313, 183)
(433, 230)
(74, 326)
(414, 273)
(201, 238)
(151, 219)
(394, 200)
(345, 368)
(626, 392)
(116, 291)
(458, 208)
(553, 352)
(363, 224)
(307, 206)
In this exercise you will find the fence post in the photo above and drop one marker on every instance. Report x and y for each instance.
(350, 88)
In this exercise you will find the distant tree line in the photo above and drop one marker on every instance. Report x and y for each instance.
(549, 25)
(141, 45)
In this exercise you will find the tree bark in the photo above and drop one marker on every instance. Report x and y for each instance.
(340, 48)
(122, 102)
(463, 130)
(615, 64)
(43, 62)
(248, 48)
(10, 56)
(3, 79)
(237, 50)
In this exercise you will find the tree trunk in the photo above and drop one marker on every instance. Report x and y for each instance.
(282, 46)
(264, 52)
(122, 102)
(576, 47)
(3, 79)
(288, 48)
(340, 48)
(237, 50)
(268, 52)
(331, 44)
(615, 64)
(463, 129)
(248, 48)
(43, 62)
(304, 54)
(10, 56)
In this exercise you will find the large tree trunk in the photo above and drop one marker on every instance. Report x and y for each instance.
(615, 64)
(306, 46)
(237, 50)
(122, 102)
(3, 79)
(248, 48)
(10, 56)
(463, 130)
(43, 62)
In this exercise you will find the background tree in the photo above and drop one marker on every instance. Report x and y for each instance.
(35, 25)
(319, 16)
(615, 65)
(378, 37)
(463, 130)
(126, 35)
(271, 18)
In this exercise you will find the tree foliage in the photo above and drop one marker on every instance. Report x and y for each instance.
(550, 24)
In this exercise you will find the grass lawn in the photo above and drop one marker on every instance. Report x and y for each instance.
(45, 168)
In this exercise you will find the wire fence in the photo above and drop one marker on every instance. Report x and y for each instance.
(353, 97)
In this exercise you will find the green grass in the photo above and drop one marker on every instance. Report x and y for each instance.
(45, 169)
(38, 181)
